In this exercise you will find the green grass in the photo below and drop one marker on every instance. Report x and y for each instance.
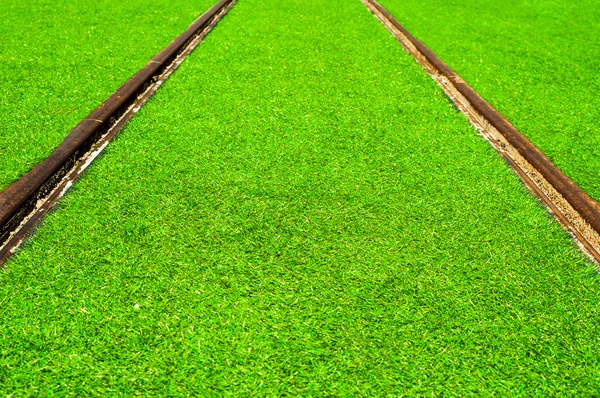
(299, 211)
(61, 59)
(535, 61)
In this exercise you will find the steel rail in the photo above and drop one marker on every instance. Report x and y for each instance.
(575, 210)
(26, 201)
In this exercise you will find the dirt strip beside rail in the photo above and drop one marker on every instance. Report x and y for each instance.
(575, 210)
(25, 202)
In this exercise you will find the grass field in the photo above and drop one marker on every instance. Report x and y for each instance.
(535, 61)
(299, 211)
(61, 59)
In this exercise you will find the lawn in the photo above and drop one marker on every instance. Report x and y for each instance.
(61, 59)
(299, 211)
(535, 61)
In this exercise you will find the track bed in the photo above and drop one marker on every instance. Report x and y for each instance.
(299, 211)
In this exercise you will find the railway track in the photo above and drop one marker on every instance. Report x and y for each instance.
(575, 210)
(25, 202)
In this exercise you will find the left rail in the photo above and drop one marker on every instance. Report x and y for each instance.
(26, 201)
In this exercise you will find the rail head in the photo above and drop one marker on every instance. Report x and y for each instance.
(20, 198)
(572, 207)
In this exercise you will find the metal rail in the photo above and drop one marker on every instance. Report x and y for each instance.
(26, 201)
(575, 210)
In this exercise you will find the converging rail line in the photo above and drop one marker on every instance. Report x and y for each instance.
(25, 202)
(575, 210)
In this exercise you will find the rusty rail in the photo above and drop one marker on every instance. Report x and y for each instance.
(576, 211)
(26, 201)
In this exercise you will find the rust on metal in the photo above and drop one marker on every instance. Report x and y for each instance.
(26, 201)
(575, 210)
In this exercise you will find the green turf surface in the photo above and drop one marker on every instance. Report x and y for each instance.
(535, 61)
(299, 211)
(61, 59)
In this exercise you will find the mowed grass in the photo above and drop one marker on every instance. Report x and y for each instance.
(61, 59)
(299, 211)
(535, 61)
